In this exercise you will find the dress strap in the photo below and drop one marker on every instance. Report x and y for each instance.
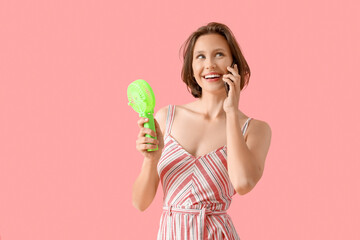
(246, 125)
(170, 119)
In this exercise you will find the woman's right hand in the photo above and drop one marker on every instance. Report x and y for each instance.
(142, 141)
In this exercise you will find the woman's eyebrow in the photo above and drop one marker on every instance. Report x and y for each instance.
(213, 50)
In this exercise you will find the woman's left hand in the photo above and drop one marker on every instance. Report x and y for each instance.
(231, 103)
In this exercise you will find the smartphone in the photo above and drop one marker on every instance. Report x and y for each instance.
(227, 87)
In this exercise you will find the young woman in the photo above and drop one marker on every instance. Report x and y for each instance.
(209, 150)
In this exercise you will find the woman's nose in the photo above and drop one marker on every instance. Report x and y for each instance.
(210, 64)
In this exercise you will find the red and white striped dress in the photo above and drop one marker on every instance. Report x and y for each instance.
(197, 191)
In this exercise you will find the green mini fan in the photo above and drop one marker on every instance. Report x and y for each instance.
(142, 99)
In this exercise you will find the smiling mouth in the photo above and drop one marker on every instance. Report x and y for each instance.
(212, 78)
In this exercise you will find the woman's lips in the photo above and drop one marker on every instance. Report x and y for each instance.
(212, 79)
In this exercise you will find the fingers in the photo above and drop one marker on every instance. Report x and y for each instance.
(228, 81)
(143, 130)
(141, 122)
(145, 140)
(144, 147)
(233, 78)
(234, 70)
(144, 143)
(234, 73)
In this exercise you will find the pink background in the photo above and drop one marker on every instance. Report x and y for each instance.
(67, 136)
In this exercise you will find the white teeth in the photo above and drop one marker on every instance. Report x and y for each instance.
(212, 76)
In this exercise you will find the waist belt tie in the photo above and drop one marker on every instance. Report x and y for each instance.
(202, 216)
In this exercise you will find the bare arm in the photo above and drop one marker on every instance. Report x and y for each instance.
(146, 184)
(246, 160)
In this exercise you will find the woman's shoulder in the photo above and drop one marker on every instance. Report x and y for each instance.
(185, 107)
(161, 116)
(163, 112)
(257, 127)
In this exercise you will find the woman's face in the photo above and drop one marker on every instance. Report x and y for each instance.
(211, 57)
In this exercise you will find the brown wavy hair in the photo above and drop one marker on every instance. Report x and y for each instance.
(187, 73)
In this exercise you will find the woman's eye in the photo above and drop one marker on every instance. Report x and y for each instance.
(219, 53)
